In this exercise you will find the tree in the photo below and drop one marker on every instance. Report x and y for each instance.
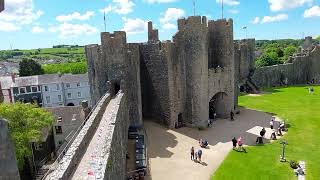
(25, 124)
(268, 59)
(318, 38)
(289, 51)
(29, 67)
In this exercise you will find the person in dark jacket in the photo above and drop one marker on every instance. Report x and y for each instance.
(234, 142)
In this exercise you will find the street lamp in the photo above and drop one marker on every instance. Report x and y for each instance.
(284, 143)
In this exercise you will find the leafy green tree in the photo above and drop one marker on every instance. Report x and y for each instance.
(268, 59)
(318, 38)
(279, 52)
(29, 67)
(289, 51)
(25, 124)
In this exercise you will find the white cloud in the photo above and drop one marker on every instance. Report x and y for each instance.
(20, 12)
(68, 30)
(280, 5)
(119, 7)
(277, 18)
(233, 11)
(8, 26)
(270, 19)
(134, 26)
(170, 17)
(37, 29)
(256, 20)
(159, 1)
(107, 9)
(312, 12)
(229, 2)
(75, 16)
(169, 26)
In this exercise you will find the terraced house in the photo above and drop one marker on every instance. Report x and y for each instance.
(50, 90)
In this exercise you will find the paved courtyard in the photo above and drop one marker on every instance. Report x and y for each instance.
(169, 150)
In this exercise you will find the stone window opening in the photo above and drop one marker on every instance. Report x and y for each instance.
(116, 88)
(38, 146)
(58, 129)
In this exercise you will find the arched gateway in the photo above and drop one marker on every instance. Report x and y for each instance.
(218, 105)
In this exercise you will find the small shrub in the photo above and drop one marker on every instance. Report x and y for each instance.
(294, 164)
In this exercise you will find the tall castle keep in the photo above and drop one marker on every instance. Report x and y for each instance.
(183, 81)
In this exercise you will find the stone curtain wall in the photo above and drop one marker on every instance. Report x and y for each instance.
(8, 162)
(96, 73)
(116, 60)
(303, 69)
(133, 86)
(69, 162)
(154, 83)
(117, 144)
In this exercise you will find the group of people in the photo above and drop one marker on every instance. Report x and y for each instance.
(196, 155)
(275, 132)
(238, 142)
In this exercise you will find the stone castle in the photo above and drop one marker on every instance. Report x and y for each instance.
(183, 81)
(301, 68)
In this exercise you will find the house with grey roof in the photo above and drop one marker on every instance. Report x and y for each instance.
(67, 120)
(49, 90)
(64, 90)
(27, 90)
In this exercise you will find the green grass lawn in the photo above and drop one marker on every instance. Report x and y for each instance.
(301, 111)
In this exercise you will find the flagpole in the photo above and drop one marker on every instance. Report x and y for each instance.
(222, 8)
(104, 20)
(194, 7)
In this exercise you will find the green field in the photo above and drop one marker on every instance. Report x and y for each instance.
(72, 67)
(301, 111)
(71, 54)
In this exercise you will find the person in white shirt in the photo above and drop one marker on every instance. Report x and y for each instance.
(272, 123)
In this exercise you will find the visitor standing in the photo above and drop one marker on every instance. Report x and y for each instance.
(192, 153)
(232, 115)
(262, 132)
(272, 123)
(199, 154)
(240, 144)
(234, 143)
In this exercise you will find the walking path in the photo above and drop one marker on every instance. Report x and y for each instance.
(92, 161)
(169, 150)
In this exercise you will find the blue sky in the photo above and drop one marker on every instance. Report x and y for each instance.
(27, 24)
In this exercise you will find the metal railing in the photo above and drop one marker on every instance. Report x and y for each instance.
(60, 156)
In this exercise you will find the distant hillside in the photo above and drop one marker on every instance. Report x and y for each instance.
(60, 59)
(46, 55)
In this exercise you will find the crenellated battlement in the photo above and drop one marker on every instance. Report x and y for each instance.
(116, 38)
(192, 21)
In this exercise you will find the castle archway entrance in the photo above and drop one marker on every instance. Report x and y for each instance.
(217, 105)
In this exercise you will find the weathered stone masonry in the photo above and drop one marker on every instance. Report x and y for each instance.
(170, 81)
(304, 68)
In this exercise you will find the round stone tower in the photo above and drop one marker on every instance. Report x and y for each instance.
(192, 43)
